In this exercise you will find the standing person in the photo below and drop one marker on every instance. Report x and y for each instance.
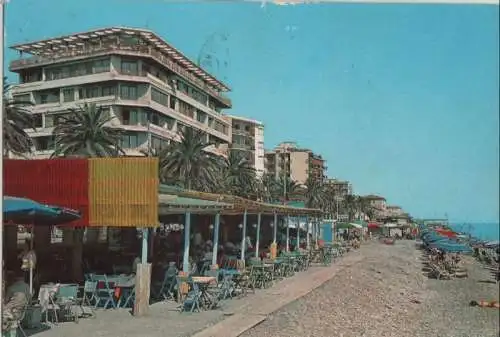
(28, 259)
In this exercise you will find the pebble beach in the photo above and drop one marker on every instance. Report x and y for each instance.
(388, 293)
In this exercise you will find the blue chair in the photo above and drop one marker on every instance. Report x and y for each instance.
(191, 302)
(105, 291)
(89, 297)
(166, 291)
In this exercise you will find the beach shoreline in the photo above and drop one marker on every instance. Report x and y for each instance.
(388, 293)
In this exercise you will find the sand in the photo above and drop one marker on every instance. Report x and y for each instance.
(388, 294)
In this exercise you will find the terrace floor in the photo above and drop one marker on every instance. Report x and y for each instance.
(165, 320)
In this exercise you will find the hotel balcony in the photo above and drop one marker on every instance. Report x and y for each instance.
(138, 51)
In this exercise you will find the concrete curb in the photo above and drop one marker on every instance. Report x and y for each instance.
(277, 298)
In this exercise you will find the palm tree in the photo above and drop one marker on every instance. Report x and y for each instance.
(267, 188)
(286, 187)
(187, 163)
(163, 158)
(349, 204)
(238, 176)
(365, 208)
(315, 195)
(331, 204)
(83, 132)
(16, 118)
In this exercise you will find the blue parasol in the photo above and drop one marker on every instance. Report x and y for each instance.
(22, 211)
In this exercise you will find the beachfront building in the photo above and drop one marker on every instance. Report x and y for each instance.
(393, 211)
(248, 138)
(294, 162)
(149, 88)
(378, 204)
(341, 188)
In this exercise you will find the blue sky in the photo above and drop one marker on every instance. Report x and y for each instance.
(400, 99)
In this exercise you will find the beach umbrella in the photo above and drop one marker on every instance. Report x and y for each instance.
(446, 232)
(22, 211)
(435, 239)
(373, 225)
(450, 246)
(355, 225)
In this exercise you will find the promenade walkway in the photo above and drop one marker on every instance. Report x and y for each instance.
(233, 318)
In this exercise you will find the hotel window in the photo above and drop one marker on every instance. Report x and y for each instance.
(30, 76)
(65, 72)
(128, 92)
(53, 120)
(48, 96)
(186, 109)
(158, 143)
(68, 95)
(183, 87)
(159, 97)
(22, 99)
(129, 67)
(199, 96)
(155, 119)
(173, 102)
(142, 117)
(89, 92)
(37, 120)
(44, 143)
(133, 140)
(201, 116)
(108, 90)
(129, 117)
(130, 141)
(101, 66)
(53, 74)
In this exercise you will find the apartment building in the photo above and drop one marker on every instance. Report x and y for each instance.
(148, 87)
(297, 163)
(394, 211)
(248, 138)
(341, 188)
(379, 205)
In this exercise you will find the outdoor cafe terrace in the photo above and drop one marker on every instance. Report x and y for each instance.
(197, 231)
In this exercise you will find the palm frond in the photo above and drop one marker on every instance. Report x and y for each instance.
(17, 117)
(85, 132)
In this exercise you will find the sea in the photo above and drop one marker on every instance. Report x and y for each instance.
(487, 231)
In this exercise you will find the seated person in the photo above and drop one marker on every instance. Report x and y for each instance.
(16, 299)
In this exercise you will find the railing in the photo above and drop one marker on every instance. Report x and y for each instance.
(237, 146)
(135, 50)
(243, 133)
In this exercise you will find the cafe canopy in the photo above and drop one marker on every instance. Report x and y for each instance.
(239, 204)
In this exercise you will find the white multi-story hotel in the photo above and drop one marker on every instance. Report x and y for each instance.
(134, 74)
(248, 137)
